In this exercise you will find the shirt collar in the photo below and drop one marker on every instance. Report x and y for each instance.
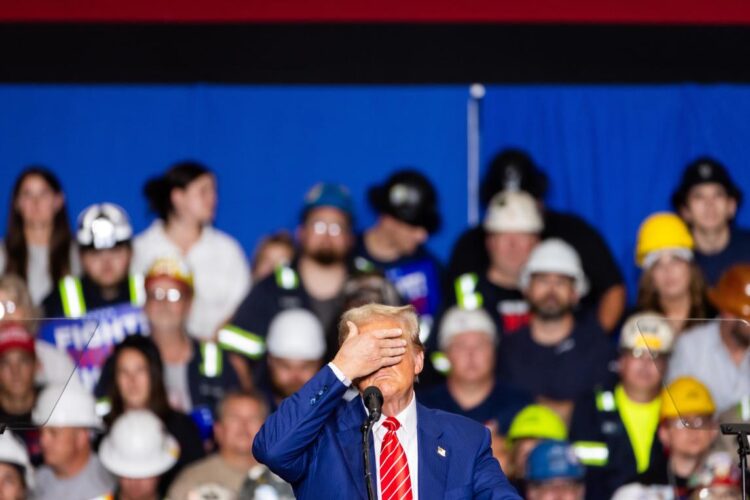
(407, 417)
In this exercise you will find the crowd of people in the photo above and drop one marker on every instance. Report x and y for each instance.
(142, 366)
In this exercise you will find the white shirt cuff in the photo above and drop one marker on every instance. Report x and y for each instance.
(340, 375)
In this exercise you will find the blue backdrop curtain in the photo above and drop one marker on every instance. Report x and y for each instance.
(613, 153)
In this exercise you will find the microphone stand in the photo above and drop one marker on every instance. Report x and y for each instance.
(743, 448)
(366, 427)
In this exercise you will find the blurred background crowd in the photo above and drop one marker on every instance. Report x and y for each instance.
(142, 365)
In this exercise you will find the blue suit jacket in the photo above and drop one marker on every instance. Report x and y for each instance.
(313, 441)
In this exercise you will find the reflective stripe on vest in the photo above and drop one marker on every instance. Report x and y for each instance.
(137, 290)
(286, 278)
(440, 362)
(74, 305)
(233, 338)
(605, 401)
(211, 362)
(592, 453)
(71, 294)
(103, 407)
(745, 408)
(466, 295)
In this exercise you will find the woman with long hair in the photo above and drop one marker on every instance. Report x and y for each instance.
(671, 283)
(184, 200)
(134, 380)
(38, 245)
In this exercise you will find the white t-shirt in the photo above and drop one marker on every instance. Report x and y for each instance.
(38, 277)
(92, 482)
(221, 273)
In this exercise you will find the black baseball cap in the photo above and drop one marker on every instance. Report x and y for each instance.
(702, 171)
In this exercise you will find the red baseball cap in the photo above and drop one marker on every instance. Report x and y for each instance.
(16, 336)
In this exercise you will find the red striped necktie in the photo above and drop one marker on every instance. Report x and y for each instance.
(395, 482)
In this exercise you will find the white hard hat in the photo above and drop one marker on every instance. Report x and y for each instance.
(637, 491)
(137, 446)
(59, 405)
(103, 226)
(13, 451)
(513, 211)
(555, 256)
(458, 320)
(296, 334)
(647, 330)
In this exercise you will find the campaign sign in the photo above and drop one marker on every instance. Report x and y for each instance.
(90, 345)
(418, 283)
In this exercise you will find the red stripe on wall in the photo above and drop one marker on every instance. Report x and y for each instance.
(714, 12)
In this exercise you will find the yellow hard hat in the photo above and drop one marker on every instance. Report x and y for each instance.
(173, 268)
(662, 231)
(686, 396)
(538, 422)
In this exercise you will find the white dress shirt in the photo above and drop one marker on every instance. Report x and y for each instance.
(406, 433)
(221, 274)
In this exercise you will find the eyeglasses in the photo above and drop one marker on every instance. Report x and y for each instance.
(645, 353)
(171, 295)
(693, 423)
(321, 227)
(7, 307)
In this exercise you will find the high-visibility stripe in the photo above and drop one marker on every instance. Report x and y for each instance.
(592, 453)
(466, 295)
(103, 407)
(745, 408)
(211, 359)
(605, 401)
(137, 290)
(425, 328)
(440, 362)
(286, 277)
(236, 339)
(71, 293)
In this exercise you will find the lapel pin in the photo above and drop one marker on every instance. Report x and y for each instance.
(441, 451)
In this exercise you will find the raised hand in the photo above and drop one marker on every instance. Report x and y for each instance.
(364, 353)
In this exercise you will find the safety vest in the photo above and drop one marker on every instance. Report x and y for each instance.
(743, 408)
(212, 363)
(286, 277)
(596, 453)
(467, 296)
(235, 339)
(74, 304)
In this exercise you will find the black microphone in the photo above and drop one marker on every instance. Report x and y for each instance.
(373, 399)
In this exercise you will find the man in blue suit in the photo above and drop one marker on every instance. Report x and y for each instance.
(314, 439)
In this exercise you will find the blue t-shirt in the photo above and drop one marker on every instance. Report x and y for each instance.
(737, 251)
(501, 405)
(565, 371)
(417, 277)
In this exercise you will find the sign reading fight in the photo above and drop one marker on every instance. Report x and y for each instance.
(89, 340)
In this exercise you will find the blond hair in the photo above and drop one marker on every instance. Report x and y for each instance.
(362, 315)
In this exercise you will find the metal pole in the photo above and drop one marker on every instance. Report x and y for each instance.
(473, 136)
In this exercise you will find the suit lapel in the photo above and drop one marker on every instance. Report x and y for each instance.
(434, 454)
(349, 438)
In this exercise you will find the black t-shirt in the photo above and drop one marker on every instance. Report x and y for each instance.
(501, 405)
(506, 306)
(737, 251)
(469, 253)
(565, 371)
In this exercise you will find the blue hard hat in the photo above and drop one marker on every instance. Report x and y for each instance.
(553, 460)
(329, 195)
